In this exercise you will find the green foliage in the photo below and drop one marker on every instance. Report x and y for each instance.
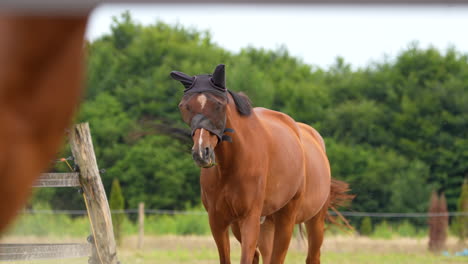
(378, 176)
(50, 225)
(185, 224)
(160, 225)
(394, 130)
(366, 226)
(406, 229)
(152, 174)
(461, 222)
(194, 222)
(383, 230)
(116, 202)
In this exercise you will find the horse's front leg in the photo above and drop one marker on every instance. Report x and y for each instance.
(250, 229)
(284, 221)
(220, 232)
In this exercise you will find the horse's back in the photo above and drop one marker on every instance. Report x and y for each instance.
(318, 175)
(274, 119)
(285, 157)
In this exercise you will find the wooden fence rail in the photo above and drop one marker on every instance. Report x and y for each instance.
(15, 252)
(101, 247)
(71, 179)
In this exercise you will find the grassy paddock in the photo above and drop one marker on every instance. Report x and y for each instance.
(201, 249)
(63, 225)
(186, 239)
(185, 224)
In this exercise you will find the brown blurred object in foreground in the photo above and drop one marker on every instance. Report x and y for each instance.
(438, 224)
(40, 81)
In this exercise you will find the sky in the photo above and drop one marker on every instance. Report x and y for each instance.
(316, 34)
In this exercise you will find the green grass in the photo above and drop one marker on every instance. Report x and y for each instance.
(201, 249)
(394, 244)
(388, 258)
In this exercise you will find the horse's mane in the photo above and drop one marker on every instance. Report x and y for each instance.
(243, 103)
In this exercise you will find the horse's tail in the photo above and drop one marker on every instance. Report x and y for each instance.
(339, 197)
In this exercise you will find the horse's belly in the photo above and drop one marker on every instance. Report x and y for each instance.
(317, 179)
(285, 175)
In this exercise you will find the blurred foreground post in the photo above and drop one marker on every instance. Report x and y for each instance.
(94, 195)
(438, 222)
(141, 224)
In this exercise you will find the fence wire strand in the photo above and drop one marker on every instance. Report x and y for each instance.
(180, 212)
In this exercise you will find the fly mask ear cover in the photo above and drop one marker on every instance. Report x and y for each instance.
(206, 83)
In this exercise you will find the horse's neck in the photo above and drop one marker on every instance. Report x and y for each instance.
(228, 153)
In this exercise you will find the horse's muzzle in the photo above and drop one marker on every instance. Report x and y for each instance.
(204, 158)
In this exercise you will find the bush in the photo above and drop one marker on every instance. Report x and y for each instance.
(160, 225)
(460, 224)
(366, 226)
(383, 230)
(406, 229)
(129, 227)
(192, 224)
(117, 203)
(50, 224)
(183, 224)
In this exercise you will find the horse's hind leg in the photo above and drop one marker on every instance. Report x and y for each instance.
(315, 231)
(266, 239)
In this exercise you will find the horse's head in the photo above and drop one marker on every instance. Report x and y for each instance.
(203, 108)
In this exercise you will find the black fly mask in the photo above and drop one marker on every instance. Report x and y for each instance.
(214, 119)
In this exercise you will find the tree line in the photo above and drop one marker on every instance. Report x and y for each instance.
(395, 130)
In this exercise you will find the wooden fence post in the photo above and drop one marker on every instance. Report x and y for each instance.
(141, 224)
(94, 194)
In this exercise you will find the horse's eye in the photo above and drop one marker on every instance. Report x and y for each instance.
(218, 105)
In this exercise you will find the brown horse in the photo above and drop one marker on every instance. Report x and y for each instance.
(40, 81)
(269, 170)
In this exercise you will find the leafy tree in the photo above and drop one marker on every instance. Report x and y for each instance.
(156, 171)
(394, 129)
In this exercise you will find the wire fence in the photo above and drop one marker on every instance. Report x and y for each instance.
(74, 223)
(182, 212)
